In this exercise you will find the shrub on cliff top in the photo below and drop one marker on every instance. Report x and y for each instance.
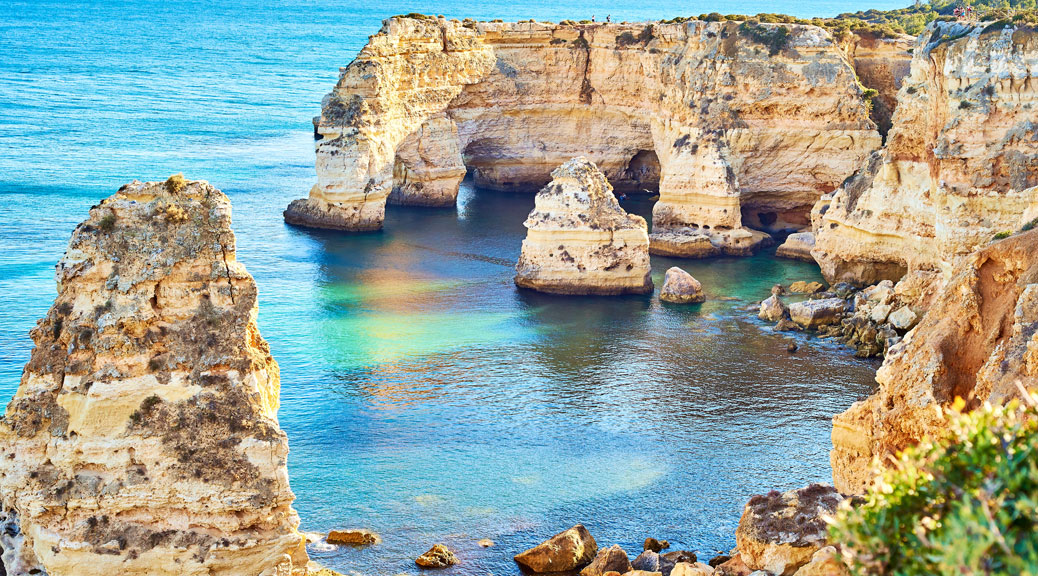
(776, 38)
(176, 183)
(965, 504)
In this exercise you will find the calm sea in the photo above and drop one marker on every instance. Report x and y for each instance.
(424, 397)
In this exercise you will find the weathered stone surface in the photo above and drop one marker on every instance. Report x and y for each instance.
(143, 438)
(903, 318)
(960, 165)
(815, 313)
(798, 247)
(566, 551)
(439, 556)
(881, 64)
(691, 569)
(779, 532)
(681, 288)
(801, 287)
(824, 562)
(733, 567)
(772, 309)
(358, 537)
(976, 342)
(682, 244)
(768, 134)
(612, 559)
(650, 561)
(580, 241)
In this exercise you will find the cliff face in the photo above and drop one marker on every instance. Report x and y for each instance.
(960, 165)
(729, 122)
(976, 342)
(143, 438)
(881, 64)
(579, 239)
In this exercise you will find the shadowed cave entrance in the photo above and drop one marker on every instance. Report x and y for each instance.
(641, 175)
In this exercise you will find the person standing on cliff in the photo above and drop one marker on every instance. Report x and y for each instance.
(592, 17)
(608, 18)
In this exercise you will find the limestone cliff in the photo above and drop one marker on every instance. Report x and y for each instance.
(733, 123)
(143, 438)
(976, 342)
(881, 64)
(579, 239)
(960, 165)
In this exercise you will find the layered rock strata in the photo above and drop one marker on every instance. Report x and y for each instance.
(143, 438)
(960, 165)
(978, 341)
(725, 123)
(580, 241)
(881, 64)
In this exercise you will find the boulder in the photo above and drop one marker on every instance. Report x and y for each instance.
(797, 247)
(824, 562)
(682, 244)
(734, 566)
(612, 559)
(692, 569)
(654, 544)
(772, 309)
(801, 287)
(780, 532)
(358, 537)
(787, 325)
(718, 560)
(650, 561)
(815, 313)
(879, 313)
(568, 550)
(681, 288)
(903, 318)
(439, 556)
(642, 573)
(580, 241)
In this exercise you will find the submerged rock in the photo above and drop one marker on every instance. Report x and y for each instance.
(580, 241)
(780, 532)
(568, 550)
(439, 556)
(801, 287)
(147, 414)
(612, 559)
(357, 537)
(681, 288)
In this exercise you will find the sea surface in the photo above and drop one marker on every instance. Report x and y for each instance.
(423, 395)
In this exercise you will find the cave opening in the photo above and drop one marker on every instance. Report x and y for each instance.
(641, 175)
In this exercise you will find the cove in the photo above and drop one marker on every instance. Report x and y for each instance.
(437, 402)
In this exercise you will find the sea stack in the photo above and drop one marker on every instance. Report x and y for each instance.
(579, 239)
(143, 438)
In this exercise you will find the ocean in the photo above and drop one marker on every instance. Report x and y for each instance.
(423, 395)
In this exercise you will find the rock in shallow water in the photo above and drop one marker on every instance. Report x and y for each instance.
(815, 313)
(612, 559)
(439, 556)
(358, 537)
(681, 288)
(566, 551)
(580, 241)
(772, 309)
(797, 247)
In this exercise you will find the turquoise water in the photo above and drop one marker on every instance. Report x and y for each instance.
(423, 395)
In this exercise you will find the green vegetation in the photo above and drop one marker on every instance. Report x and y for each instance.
(107, 224)
(176, 183)
(1003, 235)
(776, 38)
(965, 504)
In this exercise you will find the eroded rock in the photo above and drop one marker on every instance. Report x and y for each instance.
(612, 559)
(437, 557)
(814, 313)
(780, 532)
(681, 288)
(580, 241)
(147, 413)
(566, 551)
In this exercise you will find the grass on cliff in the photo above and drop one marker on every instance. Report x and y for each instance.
(891, 23)
(964, 504)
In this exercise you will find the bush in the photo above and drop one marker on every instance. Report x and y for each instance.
(776, 38)
(1003, 235)
(963, 505)
(176, 183)
(107, 224)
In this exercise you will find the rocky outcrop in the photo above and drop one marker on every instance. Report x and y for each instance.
(612, 559)
(881, 64)
(780, 532)
(728, 121)
(797, 246)
(143, 438)
(681, 288)
(960, 165)
(976, 342)
(814, 313)
(439, 556)
(566, 551)
(384, 131)
(580, 241)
